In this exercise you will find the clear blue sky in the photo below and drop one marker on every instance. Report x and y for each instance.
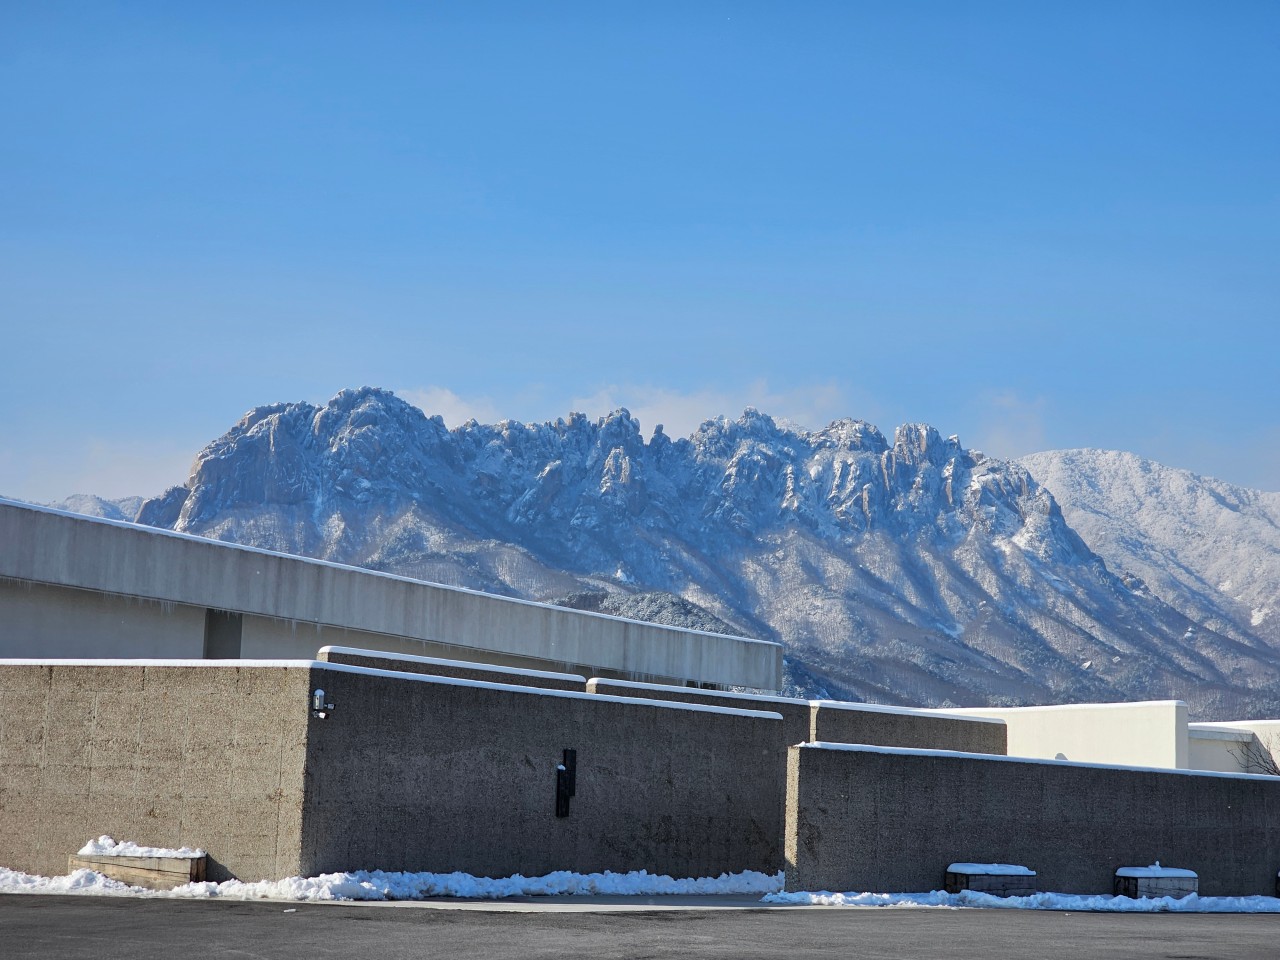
(1037, 225)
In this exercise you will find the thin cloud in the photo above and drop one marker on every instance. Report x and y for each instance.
(455, 409)
(1009, 425)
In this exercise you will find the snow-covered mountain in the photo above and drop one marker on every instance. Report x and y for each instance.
(908, 570)
(1207, 548)
(124, 508)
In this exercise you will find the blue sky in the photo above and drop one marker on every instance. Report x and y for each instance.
(1034, 225)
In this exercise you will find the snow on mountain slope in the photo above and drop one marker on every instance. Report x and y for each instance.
(125, 508)
(1210, 549)
(903, 571)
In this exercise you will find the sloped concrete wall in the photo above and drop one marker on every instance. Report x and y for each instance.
(888, 820)
(424, 773)
(458, 669)
(204, 756)
(89, 554)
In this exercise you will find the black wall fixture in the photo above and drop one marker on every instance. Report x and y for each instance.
(566, 781)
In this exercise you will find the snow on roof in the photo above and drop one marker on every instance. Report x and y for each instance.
(157, 662)
(792, 701)
(998, 758)
(1155, 870)
(440, 662)
(1073, 706)
(903, 711)
(992, 869)
(1219, 733)
(699, 691)
(539, 691)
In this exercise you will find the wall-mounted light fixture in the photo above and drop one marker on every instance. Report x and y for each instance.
(319, 708)
(566, 781)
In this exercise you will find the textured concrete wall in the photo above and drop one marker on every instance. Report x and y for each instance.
(37, 620)
(836, 722)
(203, 756)
(46, 546)
(1147, 734)
(419, 773)
(891, 821)
(458, 669)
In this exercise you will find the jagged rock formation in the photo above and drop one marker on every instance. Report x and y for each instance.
(903, 571)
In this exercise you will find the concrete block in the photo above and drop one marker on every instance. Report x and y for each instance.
(1155, 881)
(997, 879)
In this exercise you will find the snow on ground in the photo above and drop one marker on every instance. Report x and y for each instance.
(378, 885)
(1069, 902)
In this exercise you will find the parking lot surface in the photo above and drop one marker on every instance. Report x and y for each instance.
(104, 928)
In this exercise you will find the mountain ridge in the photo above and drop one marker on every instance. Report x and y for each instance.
(907, 571)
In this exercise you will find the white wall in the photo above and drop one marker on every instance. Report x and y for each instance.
(1232, 743)
(1220, 750)
(1147, 734)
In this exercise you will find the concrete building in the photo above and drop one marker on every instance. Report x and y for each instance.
(1153, 733)
(73, 586)
(165, 689)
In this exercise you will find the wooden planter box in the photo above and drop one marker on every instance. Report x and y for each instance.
(154, 873)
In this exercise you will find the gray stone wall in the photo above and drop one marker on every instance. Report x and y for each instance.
(892, 821)
(166, 756)
(795, 713)
(460, 670)
(426, 774)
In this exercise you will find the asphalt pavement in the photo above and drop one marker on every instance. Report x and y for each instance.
(106, 928)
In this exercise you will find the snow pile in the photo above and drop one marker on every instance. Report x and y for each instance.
(1070, 902)
(78, 881)
(381, 885)
(1155, 870)
(992, 869)
(104, 846)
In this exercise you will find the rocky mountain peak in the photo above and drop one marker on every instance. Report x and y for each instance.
(913, 571)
